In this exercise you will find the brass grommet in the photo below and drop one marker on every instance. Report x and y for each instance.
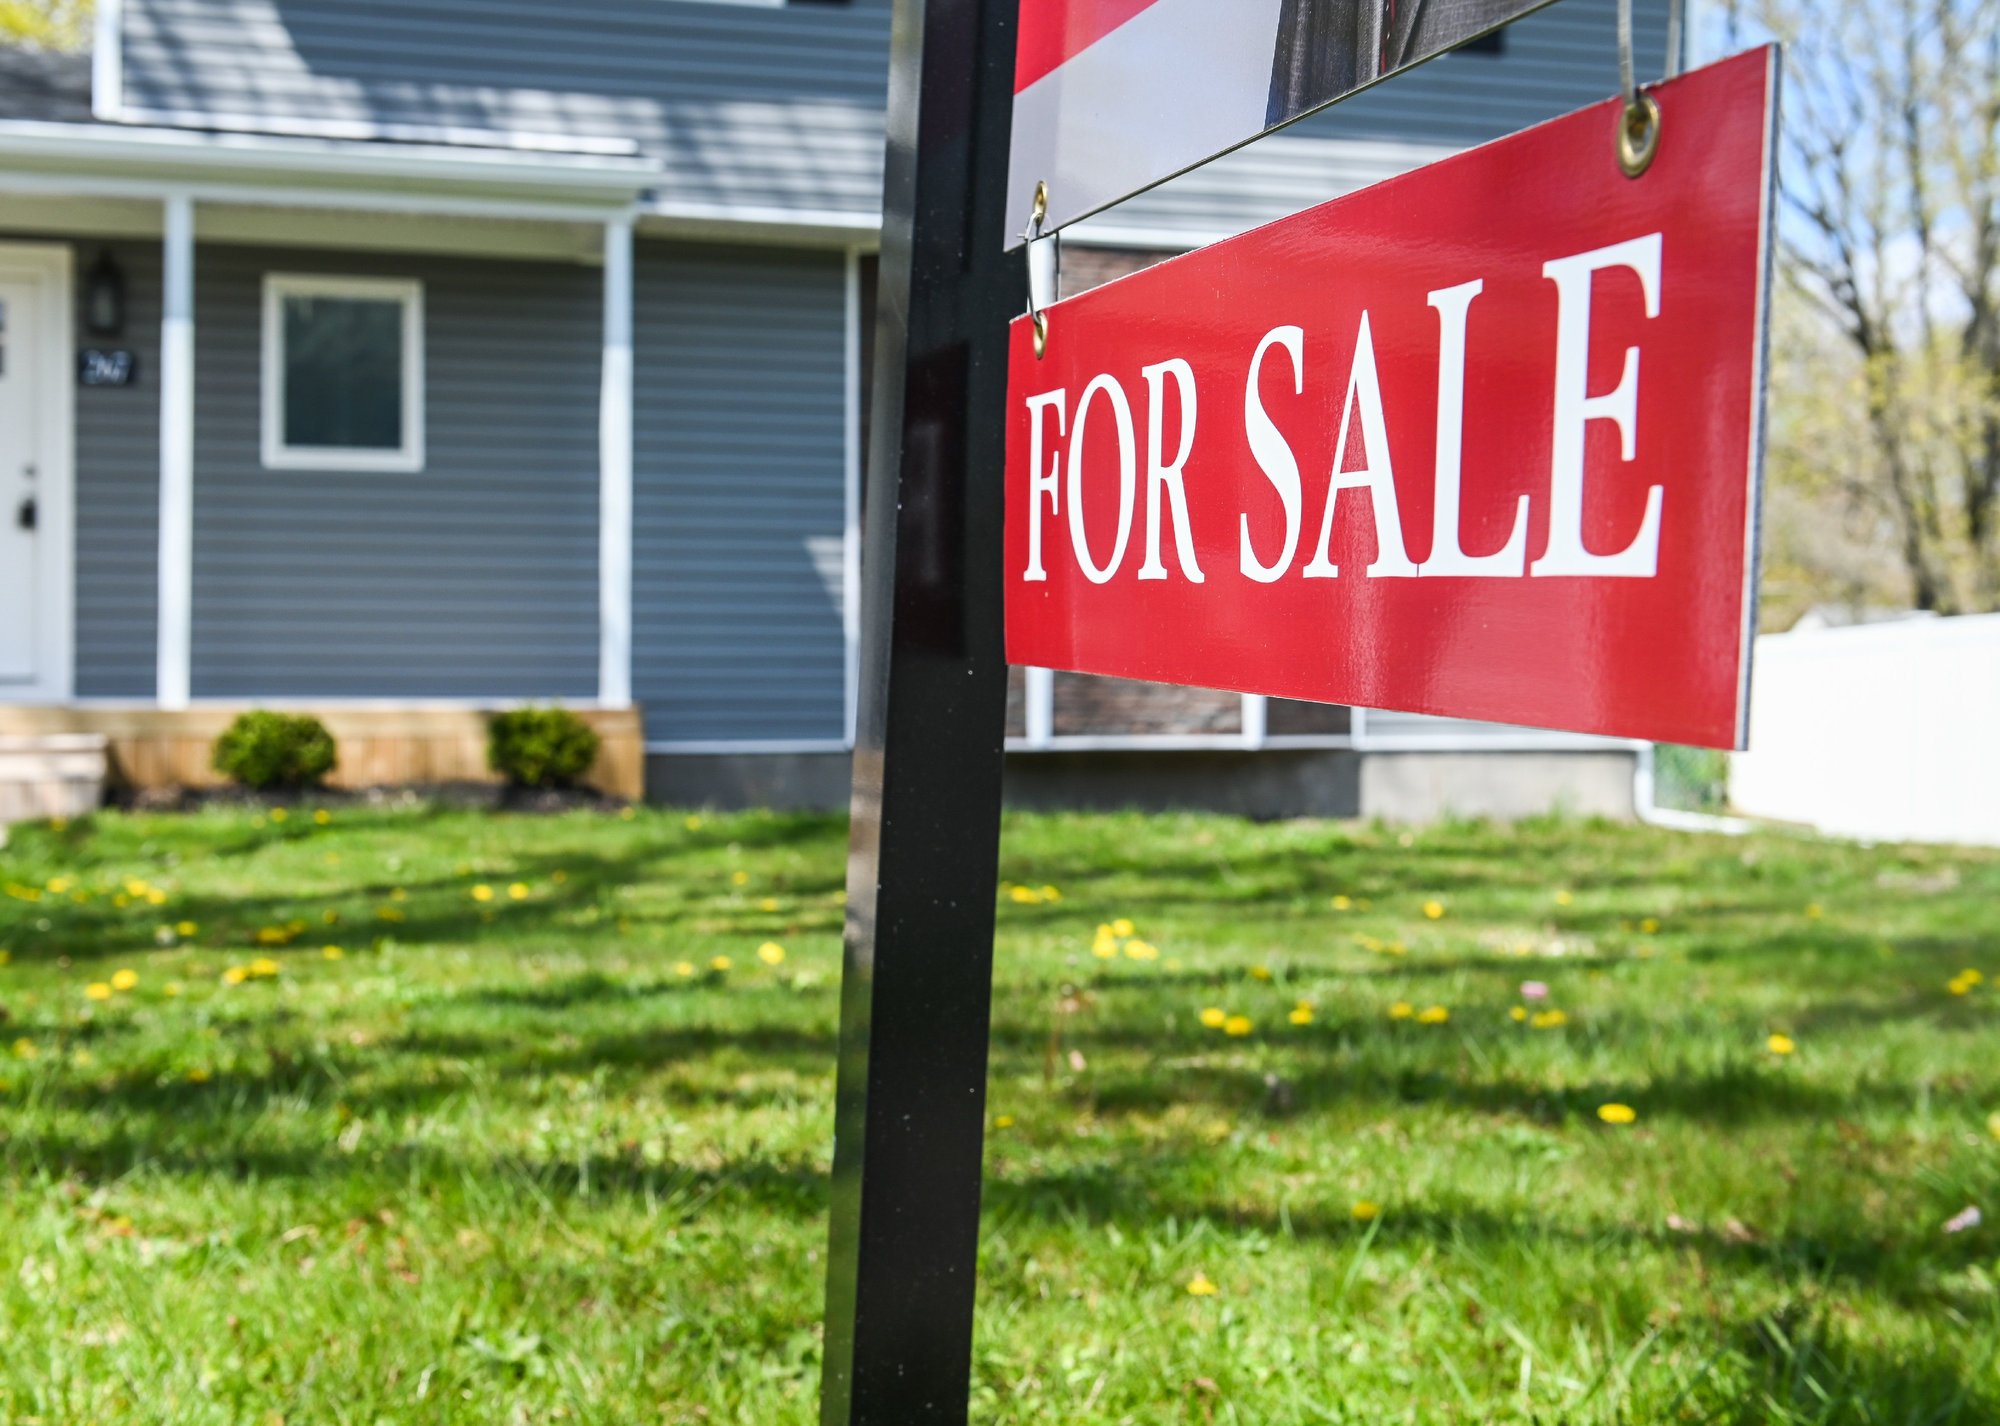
(1041, 322)
(1638, 136)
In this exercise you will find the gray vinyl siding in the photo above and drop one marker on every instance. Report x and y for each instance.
(773, 108)
(739, 493)
(475, 577)
(118, 493)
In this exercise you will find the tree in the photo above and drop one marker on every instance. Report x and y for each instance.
(46, 24)
(1886, 372)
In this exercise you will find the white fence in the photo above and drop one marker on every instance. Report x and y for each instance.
(1883, 731)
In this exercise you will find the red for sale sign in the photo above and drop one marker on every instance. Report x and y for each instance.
(1482, 441)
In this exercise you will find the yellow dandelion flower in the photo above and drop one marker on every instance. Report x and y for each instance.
(1780, 1044)
(198, 1075)
(1518, 1014)
(1238, 1025)
(1003, 1121)
(1434, 910)
(1260, 972)
(771, 953)
(185, 928)
(1200, 1286)
(1617, 1113)
(83, 1059)
(264, 967)
(1123, 927)
(1023, 895)
(156, 897)
(517, 891)
(1564, 898)
(171, 989)
(1549, 1019)
(1301, 1015)
(272, 935)
(768, 903)
(1141, 951)
(692, 822)
(329, 918)
(396, 893)
(720, 963)
(1993, 1123)
(1814, 911)
(25, 1050)
(1433, 1015)
(97, 990)
(482, 892)
(628, 813)
(1401, 1010)
(124, 979)
(1650, 925)
(332, 953)
(1397, 948)
(1971, 976)
(1343, 903)
(388, 913)
(1215, 1017)
(683, 968)
(235, 975)
(6, 958)
(57, 885)
(1104, 950)
(739, 878)
(136, 887)
(1364, 1211)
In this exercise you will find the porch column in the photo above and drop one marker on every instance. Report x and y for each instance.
(614, 473)
(176, 596)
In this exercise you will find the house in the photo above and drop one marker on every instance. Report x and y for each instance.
(401, 359)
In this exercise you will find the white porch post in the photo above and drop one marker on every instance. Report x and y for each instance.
(614, 471)
(1255, 709)
(176, 597)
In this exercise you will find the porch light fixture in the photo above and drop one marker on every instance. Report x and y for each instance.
(104, 298)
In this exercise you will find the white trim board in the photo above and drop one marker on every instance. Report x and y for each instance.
(50, 267)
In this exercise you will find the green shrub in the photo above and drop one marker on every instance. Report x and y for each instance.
(265, 749)
(540, 747)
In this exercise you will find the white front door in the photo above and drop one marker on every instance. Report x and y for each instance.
(34, 474)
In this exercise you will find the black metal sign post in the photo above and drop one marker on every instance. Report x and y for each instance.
(923, 858)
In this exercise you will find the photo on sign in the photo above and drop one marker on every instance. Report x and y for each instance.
(1113, 96)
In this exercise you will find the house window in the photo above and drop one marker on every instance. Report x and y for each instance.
(343, 373)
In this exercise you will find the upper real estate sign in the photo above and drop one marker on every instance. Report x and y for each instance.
(1114, 96)
(1483, 440)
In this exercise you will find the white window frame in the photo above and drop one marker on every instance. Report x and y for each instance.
(409, 458)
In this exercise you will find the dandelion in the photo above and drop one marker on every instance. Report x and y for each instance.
(1343, 903)
(332, 953)
(171, 989)
(518, 891)
(627, 813)
(124, 979)
(1024, 895)
(1200, 1286)
(1104, 950)
(1534, 990)
(1260, 972)
(235, 975)
(771, 953)
(388, 913)
(25, 1050)
(1434, 910)
(1433, 1015)
(1518, 1014)
(6, 957)
(1549, 1020)
(264, 967)
(1050, 893)
(1301, 1014)
(1993, 1123)
(1650, 925)
(482, 892)
(1215, 1017)
(1813, 911)
(156, 897)
(1364, 1211)
(1564, 898)
(1401, 1010)
(1123, 927)
(1237, 1025)
(692, 822)
(185, 929)
(1003, 1121)
(739, 878)
(58, 885)
(1141, 951)
(1617, 1113)
(198, 1075)
(720, 963)
(683, 969)
(97, 990)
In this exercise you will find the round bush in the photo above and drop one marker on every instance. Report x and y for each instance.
(263, 749)
(540, 747)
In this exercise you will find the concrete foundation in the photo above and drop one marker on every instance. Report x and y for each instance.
(1268, 783)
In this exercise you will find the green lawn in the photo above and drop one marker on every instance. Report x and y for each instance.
(522, 1150)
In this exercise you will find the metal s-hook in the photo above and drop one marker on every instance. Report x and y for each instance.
(1044, 269)
(1638, 138)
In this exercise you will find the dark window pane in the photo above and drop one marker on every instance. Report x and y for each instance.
(344, 373)
(1285, 717)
